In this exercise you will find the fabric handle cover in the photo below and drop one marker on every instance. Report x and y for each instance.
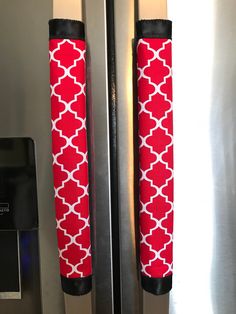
(70, 157)
(155, 129)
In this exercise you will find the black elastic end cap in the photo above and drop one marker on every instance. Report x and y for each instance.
(157, 286)
(76, 286)
(66, 29)
(154, 29)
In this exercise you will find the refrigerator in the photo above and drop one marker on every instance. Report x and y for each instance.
(204, 98)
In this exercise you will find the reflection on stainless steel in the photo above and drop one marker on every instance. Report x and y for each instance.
(204, 105)
(153, 304)
(95, 16)
(77, 305)
(124, 19)
(223, 114)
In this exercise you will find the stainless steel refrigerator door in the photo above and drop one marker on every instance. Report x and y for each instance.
(204, 71)
(25, 112)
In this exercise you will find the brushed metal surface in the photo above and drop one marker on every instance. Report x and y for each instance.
(131, 296)
(153, 304)
(71, 9)
(25, 111)
(95, 20)
(75, 304)
(152, 9)
(204, 68)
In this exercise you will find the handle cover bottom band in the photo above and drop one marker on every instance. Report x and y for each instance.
(157, 286)
(76, 286)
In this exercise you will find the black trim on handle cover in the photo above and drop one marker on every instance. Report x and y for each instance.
(76, 286)
(66, 29)
(157, 286)
(154, 29)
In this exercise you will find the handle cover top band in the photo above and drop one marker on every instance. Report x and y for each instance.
(66, 29)
(154, 29)
(70, 154)
(155, 128)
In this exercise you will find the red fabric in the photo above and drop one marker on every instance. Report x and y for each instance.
(70, 158)
(155, 156)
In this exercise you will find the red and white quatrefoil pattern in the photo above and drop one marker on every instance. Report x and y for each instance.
(155, 156)
(70, 160)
